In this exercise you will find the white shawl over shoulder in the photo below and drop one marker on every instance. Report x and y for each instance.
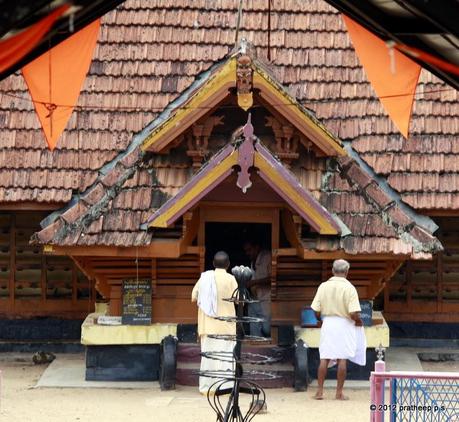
(207, 293)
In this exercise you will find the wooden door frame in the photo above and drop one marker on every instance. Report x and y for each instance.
(249, 212)
(229, 212)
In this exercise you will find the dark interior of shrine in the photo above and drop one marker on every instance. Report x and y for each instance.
(230, 237)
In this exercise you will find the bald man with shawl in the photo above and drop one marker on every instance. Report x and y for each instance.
(342, 336)
(209, 292)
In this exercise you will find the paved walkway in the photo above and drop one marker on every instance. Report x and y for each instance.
(407, 358)
(68, 370)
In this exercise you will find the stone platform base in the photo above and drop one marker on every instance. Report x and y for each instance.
(377, 335)
(123, 352)
(354, 372)
(93, 334)
(139, 362)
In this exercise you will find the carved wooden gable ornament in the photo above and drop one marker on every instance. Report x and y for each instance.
(244, 74)
(247, 77)
(242, 157)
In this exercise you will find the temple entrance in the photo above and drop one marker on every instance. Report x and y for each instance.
(230, 237)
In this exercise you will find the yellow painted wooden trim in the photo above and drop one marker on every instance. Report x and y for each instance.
(94, 335)
(221, 78)
(215, 173)
(268, 170)
(264, 81)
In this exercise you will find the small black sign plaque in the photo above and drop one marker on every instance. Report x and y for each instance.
(136, 302)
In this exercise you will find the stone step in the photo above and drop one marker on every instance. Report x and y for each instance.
(283, 367)
(188, 376)
(402, 359)
(190, 352)
(189, 359)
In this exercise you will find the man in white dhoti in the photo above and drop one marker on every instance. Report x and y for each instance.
(337, 307)
(209, 292)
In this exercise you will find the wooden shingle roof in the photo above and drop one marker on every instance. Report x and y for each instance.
(109, 212)
(150, 51)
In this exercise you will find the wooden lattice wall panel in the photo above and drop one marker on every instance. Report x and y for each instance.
(297, 278)
(169, 277)
(428, 290)
(34, 284)
(177, 276)
(5, 254)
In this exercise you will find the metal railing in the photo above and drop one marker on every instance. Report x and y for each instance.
(413, 396)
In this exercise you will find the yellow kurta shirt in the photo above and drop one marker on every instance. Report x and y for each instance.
(226, 285)
(336, 297)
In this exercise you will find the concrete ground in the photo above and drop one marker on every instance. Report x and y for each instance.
(58, 393)
(407, 359)
(23, 401)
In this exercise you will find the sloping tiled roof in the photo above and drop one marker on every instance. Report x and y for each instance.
(150, 51)
(425, 169)
(113, 210)
(378, 220)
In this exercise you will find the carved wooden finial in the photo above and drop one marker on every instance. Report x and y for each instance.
(244, 74)
(246, 155)
(248, 128)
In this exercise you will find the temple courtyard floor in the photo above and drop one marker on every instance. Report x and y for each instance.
(27, 395)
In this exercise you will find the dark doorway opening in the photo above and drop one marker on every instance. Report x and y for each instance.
(230, 237)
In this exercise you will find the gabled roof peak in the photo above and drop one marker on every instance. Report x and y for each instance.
(244, 47)
(252, 80)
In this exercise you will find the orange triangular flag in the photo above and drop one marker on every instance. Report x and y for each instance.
(56, 77)
(393, 75)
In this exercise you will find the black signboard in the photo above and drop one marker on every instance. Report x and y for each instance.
(136, 302)
(367, 312)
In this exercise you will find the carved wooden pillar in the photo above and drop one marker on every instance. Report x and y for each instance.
(197, 145)
(114, 306)
(275, 244)
(274, 261)
(286, 140)
(198, 139)
(202, 259)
